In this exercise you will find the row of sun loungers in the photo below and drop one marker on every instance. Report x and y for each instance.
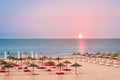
(101, 61)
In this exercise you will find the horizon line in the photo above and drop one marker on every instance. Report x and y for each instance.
(60, 38)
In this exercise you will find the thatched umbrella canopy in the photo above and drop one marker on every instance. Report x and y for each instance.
(115, 55)
(3, 63)
(97, 53)
(21, 59)
(42, 59)
(45, 57)
(1, 60)
(86, 54)
(60, 65)
(67, 62)
(78, 53)
(76, 65)
(26, 63)
(58, 59)
(15, 58)
(33, 59)
(74, 53)
(115, 58)
(9, 57)
(50, 63)
(107, 57)
(109, 54)
(103, 54)
(93, 56)
(99, 56)
(8, 66)
(50, 58)
(28, 57)
(33, 65)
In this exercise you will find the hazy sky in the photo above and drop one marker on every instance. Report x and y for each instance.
(59, 18)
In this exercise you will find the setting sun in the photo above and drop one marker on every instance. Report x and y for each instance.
(80, 36)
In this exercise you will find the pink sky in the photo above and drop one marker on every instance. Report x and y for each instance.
(60, 19)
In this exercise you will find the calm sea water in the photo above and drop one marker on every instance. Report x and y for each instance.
(58, 47)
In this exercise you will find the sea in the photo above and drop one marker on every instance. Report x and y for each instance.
(58, 47)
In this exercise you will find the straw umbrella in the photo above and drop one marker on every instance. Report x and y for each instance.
(76, 65)
(20, 62)
(2, 63)
(115, 55)
(1, 60)
(26, 63)
(66, 62)
(78, 55)
(33, 66)
(50, 58)
(58, 59)
(8, 66)
(60, 65)
(42, 59)
(9, 57)
(50, 63)
(45, 58)
(74, 54)
(97, 53)
(15, 58)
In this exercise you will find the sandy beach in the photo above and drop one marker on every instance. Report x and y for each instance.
(88, 71)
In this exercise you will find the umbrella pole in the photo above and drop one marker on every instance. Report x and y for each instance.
(42, 63)
(66, 66)
(60, 69)
(75, 70)
(50, 67)
(8, 71)
(33, 70)
(16, 61)
(27, 65)
(21, 63)
(58, 61)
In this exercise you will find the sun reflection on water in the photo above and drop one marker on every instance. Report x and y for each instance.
(81, 46)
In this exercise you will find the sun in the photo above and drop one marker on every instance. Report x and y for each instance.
(80, 36)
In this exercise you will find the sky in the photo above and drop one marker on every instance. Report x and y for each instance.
(59, 18)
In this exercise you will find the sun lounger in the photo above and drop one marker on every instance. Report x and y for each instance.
(116, 64)
(27, 70)
(60, 73)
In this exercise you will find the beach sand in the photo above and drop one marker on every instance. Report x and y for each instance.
(88, 71)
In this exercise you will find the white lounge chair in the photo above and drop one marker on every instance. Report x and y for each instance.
(116, 64)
